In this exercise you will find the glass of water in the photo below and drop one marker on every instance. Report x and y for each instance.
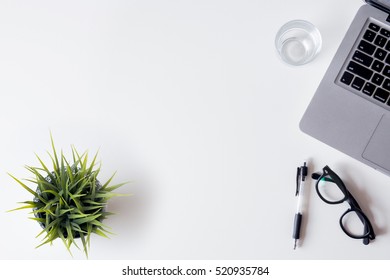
(298, 42)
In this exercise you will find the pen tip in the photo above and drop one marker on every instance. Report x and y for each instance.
(295, 244)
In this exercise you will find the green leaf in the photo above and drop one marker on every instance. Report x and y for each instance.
(89, 231)
(114, 187)
(77, 216)
(105, 214)
(64, 211)
(69, 171)
(76, 201)
(92, 202)
(23, 185)
(23, 207)
(51, 232)
(93, 163)
(45, 168)
(30, 202)
(41, 220)
(87, 219)
(56, 163)
(69, 232)
(106, 195)
(48, 240)
(108, 182)
(56, 194)
(77, 227)
(85, 245)
(42, 184)
(98, 224)
(67, 244)
(89, 208)
(101, 233)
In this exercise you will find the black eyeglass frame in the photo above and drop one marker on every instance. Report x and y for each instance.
(329, 175)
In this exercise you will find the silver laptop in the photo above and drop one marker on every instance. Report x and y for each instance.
(350, 110)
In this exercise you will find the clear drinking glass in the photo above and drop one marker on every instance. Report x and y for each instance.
(298, 42)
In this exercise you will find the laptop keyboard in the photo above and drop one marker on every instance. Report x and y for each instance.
(368, 69)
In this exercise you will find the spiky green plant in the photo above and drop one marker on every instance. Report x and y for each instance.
(68, 200)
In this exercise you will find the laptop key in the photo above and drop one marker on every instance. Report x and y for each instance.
(380, 54)
(362, 58)
(381, 95)
(385, 32)
(374, 27)
(377, 65)
(369, 35)
(377, 79)
(369, 89)
(357, 83)
(386, 84)
(386, 71)
(380, 41)
(347, 78)
(359, 70)
(366, 47)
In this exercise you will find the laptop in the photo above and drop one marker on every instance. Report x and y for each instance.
(350, 110)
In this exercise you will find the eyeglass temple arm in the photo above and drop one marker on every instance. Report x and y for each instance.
(367, 227)
(316, 176)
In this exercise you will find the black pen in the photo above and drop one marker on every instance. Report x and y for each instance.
(300, 189)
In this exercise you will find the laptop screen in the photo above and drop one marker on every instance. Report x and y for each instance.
(384, 4)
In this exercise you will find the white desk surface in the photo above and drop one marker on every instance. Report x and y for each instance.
(190, 101)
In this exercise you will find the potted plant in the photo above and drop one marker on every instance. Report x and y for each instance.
(68, 201)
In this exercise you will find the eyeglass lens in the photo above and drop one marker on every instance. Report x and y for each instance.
(354, 224)
(329, 190)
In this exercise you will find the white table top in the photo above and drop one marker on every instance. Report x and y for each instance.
(189, 100)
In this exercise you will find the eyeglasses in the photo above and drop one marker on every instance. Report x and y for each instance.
(331, 189)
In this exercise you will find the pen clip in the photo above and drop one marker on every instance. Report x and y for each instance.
(297, 180)
(301, 175)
